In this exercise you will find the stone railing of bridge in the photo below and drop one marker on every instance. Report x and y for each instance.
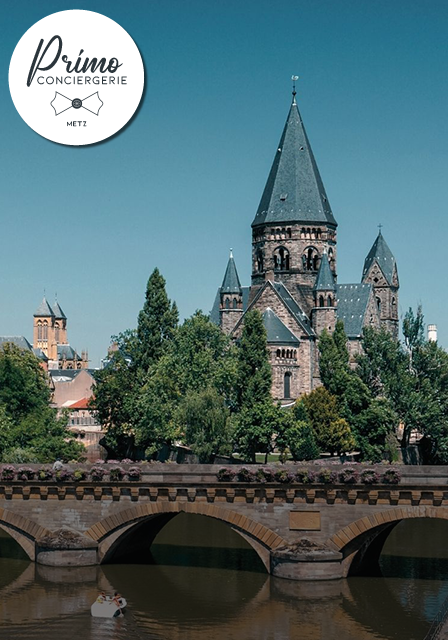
(300, 531)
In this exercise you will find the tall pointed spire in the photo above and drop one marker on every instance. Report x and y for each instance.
(44, 310)
(231, 282)
(381, 254)
(294, 190)
(325, 278)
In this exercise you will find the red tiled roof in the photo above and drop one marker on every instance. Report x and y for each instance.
(80, 404)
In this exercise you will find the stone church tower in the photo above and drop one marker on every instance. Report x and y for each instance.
(294, 275)
(50, 337)
(294, 223)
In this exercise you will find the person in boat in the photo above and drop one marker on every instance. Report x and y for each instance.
(119, 603)
(101, 597)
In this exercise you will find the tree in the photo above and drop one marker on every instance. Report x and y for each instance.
(157, 323)
(333, 433)
(254, 376)
(374, 425)
(27, 421)
(203, 420)
(297, 436)
(255, 427)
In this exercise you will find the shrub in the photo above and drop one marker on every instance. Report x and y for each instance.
(63, 475)
(25, 473)
(8, 472)
(45, 473)
(113, 461)
(100, 461)
(349, 475)
(127, 461)
(97, 473)
(79, 474)
(266, 475)
(226, 474)
(284, 476)
(134, 473)
(391, 476)
(326, 476)
(245, 475)
(305, 476)
(116, 473)
(369, 476)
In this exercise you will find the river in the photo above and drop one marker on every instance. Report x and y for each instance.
(206, 582)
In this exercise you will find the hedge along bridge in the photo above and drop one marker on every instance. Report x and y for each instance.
(300, 531)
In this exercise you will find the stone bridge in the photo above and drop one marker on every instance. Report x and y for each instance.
(300, 532)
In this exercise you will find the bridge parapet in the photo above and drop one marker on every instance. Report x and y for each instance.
(301, 531)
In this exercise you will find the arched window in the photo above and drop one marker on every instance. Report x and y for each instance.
(288, 231)
(227, 303)
(260, 265)
(45, 330)
(281, 259)
(378, 304)
(329, 301)
(56, 331)
(39, 330)
(279, 353)
(283, 353)
(287, 385)
(235, 303)
(321, 301)
(310, 259)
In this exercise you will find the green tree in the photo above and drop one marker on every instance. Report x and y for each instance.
(333, 433)
(296, 437)
(254, 376)
(157, 323)
(373, 427)
(27, 421)
(203, 419)
(255, 427)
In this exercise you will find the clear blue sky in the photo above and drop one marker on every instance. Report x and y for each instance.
(182, 183)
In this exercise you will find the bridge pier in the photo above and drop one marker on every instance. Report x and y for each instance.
(306, 561)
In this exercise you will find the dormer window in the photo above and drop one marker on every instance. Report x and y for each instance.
(283, 196)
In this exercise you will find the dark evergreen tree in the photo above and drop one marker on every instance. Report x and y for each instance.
(157, 323)
(254, 376)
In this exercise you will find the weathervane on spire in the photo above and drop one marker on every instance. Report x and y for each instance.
(294, 78)
(380, 226)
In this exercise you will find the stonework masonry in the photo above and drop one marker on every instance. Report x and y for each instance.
(299, 531)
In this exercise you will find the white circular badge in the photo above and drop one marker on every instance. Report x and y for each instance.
(76, 77)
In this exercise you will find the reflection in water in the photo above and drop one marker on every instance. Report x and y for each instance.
(198, 602)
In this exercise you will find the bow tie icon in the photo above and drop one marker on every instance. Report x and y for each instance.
(92, 103)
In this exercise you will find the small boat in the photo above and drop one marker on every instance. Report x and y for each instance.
(107, 608)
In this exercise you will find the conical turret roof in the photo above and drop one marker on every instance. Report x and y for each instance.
(44, 310)
(380, 253)
(294, 191)
(231, 283)
(58, 313)
(325, 278)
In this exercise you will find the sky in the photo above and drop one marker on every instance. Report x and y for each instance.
(181, 184)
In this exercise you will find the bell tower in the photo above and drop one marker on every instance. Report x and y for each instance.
(294, 224)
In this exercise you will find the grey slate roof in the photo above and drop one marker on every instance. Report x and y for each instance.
(352, 300)
(383, 255)
(40, 354)
(325, 278)
(19, 341)
(67, 352)
(67, 375)
(57, 311)
(44, 310)
(294, 191)
(231, 282)
(277, 332)
(294, 308)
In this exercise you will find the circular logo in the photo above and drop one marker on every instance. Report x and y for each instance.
(76, 77)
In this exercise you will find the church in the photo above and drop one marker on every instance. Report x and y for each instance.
(294, 272)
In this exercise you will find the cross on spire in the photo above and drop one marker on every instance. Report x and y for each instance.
(294, 92)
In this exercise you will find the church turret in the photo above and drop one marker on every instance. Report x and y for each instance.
(231, 297)
(380, 270)
(324, 293)
(294, 223)
(43, 330)
(60, 324)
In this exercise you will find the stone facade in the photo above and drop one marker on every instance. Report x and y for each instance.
(294, 272)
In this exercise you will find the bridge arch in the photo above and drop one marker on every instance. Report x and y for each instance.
(111, 531)
(361, 542)
(23, 530)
